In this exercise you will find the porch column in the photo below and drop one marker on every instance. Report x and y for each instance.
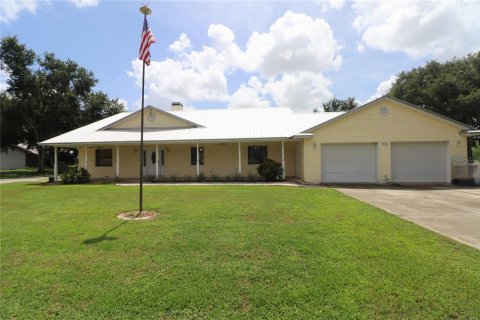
(156, 161)
(239, 158)
(117, 171)
(283, 160)
(85, 159)
(198, 161)
(55, 164)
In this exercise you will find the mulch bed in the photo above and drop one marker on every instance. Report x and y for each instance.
(134, 215)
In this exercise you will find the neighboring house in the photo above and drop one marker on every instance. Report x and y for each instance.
(386, 140)
(17, 157)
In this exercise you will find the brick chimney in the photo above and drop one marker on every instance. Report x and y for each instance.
(177, 106)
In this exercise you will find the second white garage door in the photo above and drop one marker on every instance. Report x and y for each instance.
(345, 163)
(419, 162)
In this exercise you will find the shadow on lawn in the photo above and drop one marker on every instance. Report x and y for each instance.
(104, 236)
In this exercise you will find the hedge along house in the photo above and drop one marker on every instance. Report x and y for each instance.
(386, 140)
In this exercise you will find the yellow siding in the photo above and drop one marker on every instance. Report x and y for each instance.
(161, 120)
(220, 159)
(400, 124)
(96, 172)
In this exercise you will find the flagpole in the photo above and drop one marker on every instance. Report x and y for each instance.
(145, 10)
(141, 141)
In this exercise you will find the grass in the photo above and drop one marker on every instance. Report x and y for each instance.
(224, 252)
(24, 173)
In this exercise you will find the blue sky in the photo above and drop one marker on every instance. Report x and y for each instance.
(247, 54)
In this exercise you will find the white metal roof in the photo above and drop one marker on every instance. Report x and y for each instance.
(218, 125)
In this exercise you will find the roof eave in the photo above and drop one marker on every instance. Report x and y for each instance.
(193, 124)
(471, 133)
(236, 140)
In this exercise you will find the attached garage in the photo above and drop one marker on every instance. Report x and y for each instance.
(419, 162)
(349, 163)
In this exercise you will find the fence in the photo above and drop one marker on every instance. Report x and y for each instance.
(464, 169)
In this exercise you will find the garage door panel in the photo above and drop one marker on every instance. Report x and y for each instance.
(346, 163)
(419, 162)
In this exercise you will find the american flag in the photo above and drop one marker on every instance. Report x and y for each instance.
(147, 40)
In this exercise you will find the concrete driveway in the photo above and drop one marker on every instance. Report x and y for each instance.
(449, 210)
(28, 179)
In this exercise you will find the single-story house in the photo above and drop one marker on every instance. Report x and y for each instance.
(385, 140)
(18, 156)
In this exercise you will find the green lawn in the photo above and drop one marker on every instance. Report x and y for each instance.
(222, 252)
(24, 172)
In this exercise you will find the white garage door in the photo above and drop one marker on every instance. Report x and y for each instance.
(349, 162)
(419, 162)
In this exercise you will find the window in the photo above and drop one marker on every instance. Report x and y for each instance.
(154, 157)
(193, 156)
(257, 154)
(103, 157)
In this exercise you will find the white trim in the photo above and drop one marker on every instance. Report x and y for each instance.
(449, 163)
(156, 161)
(133, 114)
(172, 142)
(117, 169)
(470, 133)
(85, 160)
(283, 160)
(55, 164)
(239, 157)
(198, 161)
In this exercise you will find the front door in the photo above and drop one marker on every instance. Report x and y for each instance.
(149, 161)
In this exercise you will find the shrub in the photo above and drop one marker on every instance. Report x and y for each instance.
(75, 175)
(188, 178)
(237, 177)
(228, 178)
(201, 177)
(214, 177)
(173, 178)
(252, 177)
(270, 170)
(150, 178)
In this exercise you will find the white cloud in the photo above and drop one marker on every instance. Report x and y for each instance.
(301, 91)
(11, 9)
(187, 81)
(124, 102)
(84, 3)
(383, 88)
(247, 97)
(286, 65)
(295, 42)
(181, 44)
(3, 80)
(440, 29)
(360, 47)
(334, 4)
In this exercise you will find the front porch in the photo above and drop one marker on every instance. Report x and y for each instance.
(185, 161)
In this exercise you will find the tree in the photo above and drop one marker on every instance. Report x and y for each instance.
(335, 105)
(451, 88)
(46, 97)
(97, 106)
(10, 117)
